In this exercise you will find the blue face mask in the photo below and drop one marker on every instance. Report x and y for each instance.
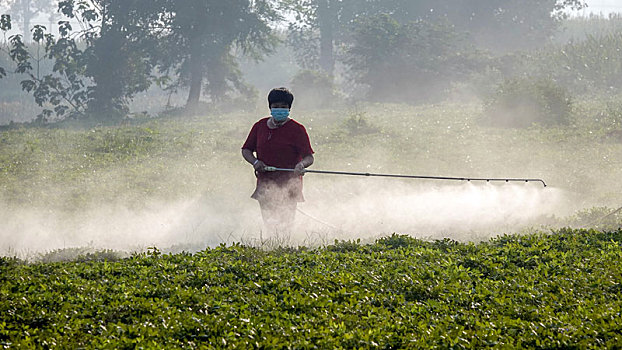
(279, 114)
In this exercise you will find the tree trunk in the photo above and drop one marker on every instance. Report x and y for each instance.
(107, 101)
(196, 79)
(108, 70)
(325, 22)
(27, 16)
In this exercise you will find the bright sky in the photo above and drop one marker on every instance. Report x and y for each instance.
(602, 6)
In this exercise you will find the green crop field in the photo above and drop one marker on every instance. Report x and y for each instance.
(559, 290)
(81, 204)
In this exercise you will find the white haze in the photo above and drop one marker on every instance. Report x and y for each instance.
(335, 208)
(464, 211)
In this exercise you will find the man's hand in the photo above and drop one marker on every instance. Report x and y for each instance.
(259, 166)
(299, 169)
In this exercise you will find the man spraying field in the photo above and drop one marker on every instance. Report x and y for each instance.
(281, 142)
(279, 149)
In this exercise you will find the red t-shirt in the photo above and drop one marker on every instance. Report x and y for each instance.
(282, 147)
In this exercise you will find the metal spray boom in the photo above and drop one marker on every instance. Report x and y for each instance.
(269, 168)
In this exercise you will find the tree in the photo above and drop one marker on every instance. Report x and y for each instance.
(119, 36)
(26, 10)
(97, 68)
(5, 25)
(119, 44)
(411, 62)
(320, 25)
(499, 25)
(202, 37)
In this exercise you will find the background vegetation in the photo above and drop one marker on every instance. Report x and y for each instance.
(102, 55)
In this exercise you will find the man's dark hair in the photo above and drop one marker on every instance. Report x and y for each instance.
(280, 95)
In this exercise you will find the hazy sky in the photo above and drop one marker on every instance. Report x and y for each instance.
(603, 6)
(594, 6)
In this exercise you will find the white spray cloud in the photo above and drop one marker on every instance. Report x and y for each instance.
(335, 208)
(465, 211)
(188, 224)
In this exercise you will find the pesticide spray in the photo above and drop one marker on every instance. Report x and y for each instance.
(360, 208)
(360, 205)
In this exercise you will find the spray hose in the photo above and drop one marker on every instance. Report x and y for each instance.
(270, 168)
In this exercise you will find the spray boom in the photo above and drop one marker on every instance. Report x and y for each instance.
(270, 168)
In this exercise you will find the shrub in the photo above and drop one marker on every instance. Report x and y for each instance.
(313, 89)
(345, 246)
(395, 241)
(593, 65)
(523, 102)
(600, 218)
(358, 124)
(82, 254)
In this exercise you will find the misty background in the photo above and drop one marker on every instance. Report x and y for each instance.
(121, 122)
(117, 60)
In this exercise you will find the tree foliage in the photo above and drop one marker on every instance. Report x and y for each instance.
(499, 25)
(592, 64)
(412, 61)
(5, 25)
(201, 38)
(64, 87)
(99, 67)
(26, 10)
(121, 47)
(118, 41)
(322, 25)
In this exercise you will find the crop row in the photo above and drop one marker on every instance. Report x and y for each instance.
(555, 290)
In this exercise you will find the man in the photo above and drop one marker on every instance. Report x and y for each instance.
(281, 142)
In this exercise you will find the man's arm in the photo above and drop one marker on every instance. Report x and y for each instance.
(306, 162)
(256, 163)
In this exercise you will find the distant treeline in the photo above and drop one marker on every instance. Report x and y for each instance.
(108, 51)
